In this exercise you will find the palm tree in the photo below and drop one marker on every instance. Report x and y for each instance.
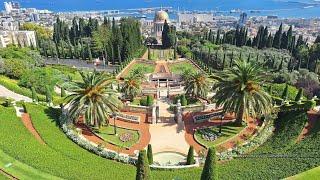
(131, 87)
(196, 84)
(93, 98)
(239, 91)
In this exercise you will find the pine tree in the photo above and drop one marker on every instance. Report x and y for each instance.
(209, 170)
(190, 157)
(150, 154)
(143, 168)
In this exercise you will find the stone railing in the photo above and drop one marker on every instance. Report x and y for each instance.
(129, 118)
(207, 117)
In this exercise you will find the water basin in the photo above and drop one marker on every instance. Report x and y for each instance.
(169, 158)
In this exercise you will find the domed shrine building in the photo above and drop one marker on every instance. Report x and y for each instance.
(158, 22)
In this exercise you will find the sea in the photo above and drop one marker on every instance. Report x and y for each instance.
(280, 8)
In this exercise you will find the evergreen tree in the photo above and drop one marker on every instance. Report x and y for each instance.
(190, 157)
(34, 94)
(277, 38)
(150, 154)
(165, 35)
(48, 95)
(149, 53)
(317, 39)
(270, 41)
(218, 37)
(299, 95)
(285, 93)
(209, 170)
(143, 169)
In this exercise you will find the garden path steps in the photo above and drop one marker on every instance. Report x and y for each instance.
(313, 117)
(143, 129)
(167, 135)
(26, 120)
(190, 127)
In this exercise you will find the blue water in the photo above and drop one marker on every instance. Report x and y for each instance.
(282, 8)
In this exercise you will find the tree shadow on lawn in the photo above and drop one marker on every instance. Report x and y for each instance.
(54, 115)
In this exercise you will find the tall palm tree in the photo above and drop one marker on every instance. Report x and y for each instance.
(239, 91)
(131, 87)
(93, 98)
(196, 85)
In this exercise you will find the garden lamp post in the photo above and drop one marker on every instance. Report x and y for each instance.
(114, 115)
(220, 128)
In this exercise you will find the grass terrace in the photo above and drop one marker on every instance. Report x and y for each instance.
(125, 137)
(142, 67)
(181, 67)
(228, 131)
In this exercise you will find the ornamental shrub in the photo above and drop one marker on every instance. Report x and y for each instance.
(143, 169)
(150, 154)
(209, 169)
(183, 100)
(149, 100)
(190, 157)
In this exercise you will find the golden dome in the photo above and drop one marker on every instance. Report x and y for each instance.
(161, 16)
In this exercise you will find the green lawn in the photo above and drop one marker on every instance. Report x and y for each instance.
(228, 131)
(21, 170)
(107, 133)
(310, 174)
(142, 67)
(179, 68)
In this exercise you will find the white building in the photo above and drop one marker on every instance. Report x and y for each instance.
(8, 24)
(11, 6)
(23, 38)
(191, 18)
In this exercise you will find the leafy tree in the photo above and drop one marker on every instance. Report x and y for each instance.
(239, 90)
(150, 154)
(209, 171)
(143, 169)
(190, 157)
(93, 98)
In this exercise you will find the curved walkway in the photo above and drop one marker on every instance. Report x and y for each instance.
(143, 129)
(4, 92)
(26, 120)
(191, 127)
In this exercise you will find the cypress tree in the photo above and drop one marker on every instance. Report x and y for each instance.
(299, 95)
(224, 61)
(218, 37)
(277, 38)
(149, 53)
(48, 95)
(34, 94)
(209, 170)
(63, 92)
(143, 168)
(190, 157)
(285, 92)
(150, 154)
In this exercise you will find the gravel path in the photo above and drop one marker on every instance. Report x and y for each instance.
(4, 92)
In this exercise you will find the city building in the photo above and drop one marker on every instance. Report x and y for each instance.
(11, 6)
(190, 18)
(21, 38)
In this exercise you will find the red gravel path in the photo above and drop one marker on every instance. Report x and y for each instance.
(143, 129)
(26, 120)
